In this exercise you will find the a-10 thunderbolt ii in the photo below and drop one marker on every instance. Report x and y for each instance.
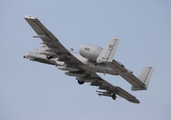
(90, 60)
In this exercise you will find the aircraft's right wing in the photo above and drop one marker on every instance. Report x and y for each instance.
(54, 47)
(109, 89)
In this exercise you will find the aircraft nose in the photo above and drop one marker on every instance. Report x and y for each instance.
(27, 55)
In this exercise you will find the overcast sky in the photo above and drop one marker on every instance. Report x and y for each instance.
(35, 91)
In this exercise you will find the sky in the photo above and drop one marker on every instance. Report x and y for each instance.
(35, 91)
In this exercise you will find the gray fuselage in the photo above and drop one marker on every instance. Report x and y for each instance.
(91, 66)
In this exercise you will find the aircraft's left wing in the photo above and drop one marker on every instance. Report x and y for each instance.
(109, 89)
(54, 47)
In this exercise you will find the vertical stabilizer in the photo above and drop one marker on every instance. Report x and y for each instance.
(108, 52)
(144, 77)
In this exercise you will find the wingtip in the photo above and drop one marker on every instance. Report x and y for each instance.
(135, 101)
(29, 17)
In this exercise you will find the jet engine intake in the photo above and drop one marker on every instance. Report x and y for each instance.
(91, 52)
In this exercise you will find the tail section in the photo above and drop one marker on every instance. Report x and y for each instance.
(108, 52)
(106, 56)
(144, 77)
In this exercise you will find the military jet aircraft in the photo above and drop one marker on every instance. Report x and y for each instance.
(85, 64)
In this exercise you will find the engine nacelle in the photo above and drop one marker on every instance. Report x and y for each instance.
(90, 52)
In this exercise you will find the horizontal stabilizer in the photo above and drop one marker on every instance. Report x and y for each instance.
(144, 77)
(108, 52)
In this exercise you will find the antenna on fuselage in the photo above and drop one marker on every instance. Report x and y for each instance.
(72, 49)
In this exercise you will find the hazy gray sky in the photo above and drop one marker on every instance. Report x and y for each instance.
(35, 91)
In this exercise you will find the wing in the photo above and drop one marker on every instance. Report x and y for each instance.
(54, 47)
(109, 89)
